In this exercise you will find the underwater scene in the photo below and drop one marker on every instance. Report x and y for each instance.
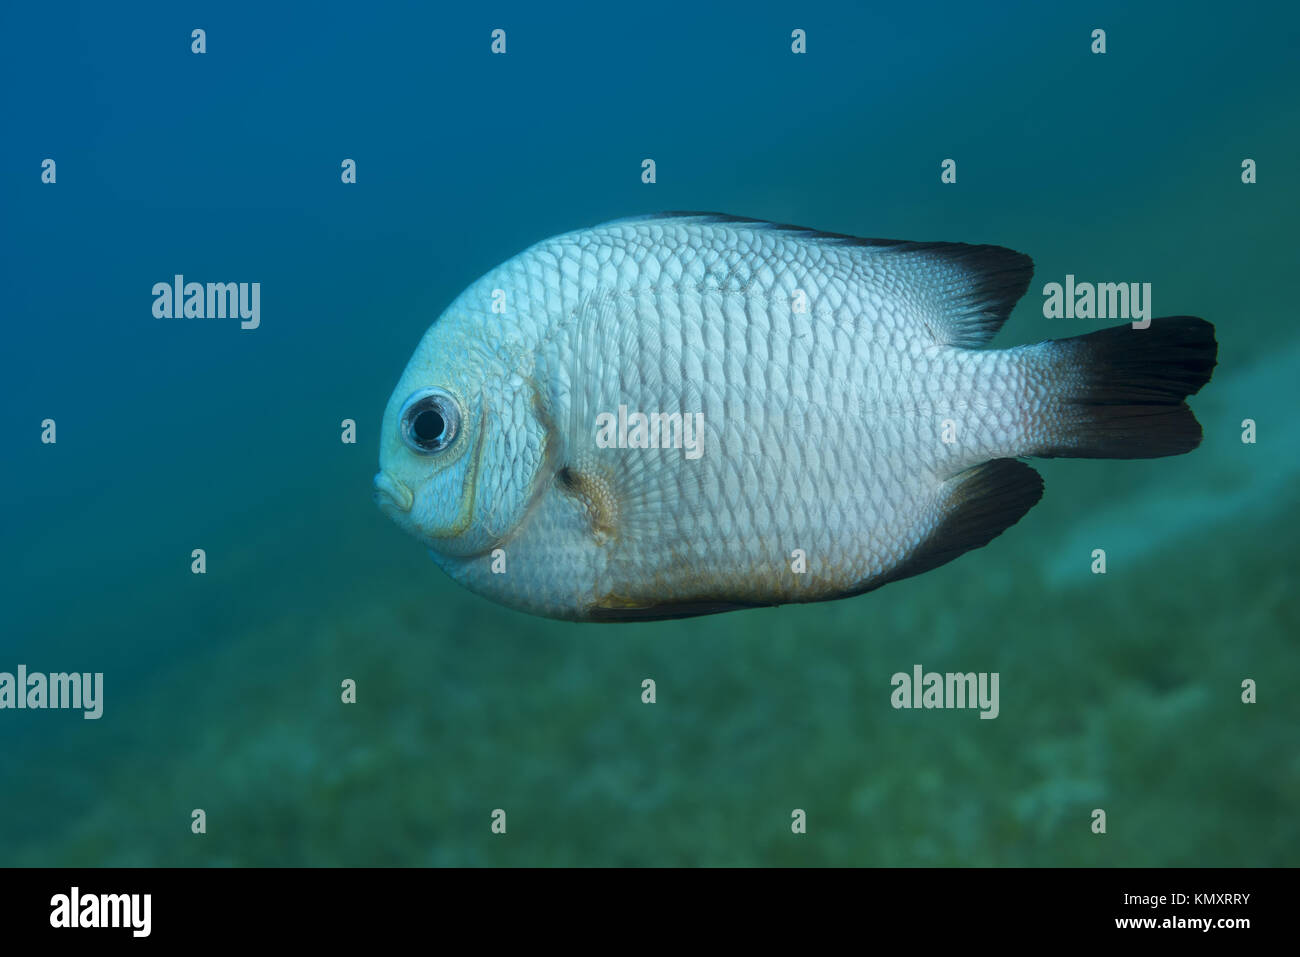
(218, 649)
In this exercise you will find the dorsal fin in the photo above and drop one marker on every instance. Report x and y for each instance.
(966, 291)
(971, 289)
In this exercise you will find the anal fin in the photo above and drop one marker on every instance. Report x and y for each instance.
(978, 505)
(615, 608)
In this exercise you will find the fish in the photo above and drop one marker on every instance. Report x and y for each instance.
(683, 414)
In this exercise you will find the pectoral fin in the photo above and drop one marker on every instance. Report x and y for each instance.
(618, 361)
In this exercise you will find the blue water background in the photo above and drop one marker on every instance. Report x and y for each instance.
(1119, 692)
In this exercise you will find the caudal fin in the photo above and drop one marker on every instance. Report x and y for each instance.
(1120, 391)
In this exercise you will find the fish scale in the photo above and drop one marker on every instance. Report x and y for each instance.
(823, 429)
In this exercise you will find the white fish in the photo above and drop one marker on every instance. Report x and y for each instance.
(849, 427)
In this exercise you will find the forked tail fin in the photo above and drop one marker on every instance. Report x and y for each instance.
(1121, 391)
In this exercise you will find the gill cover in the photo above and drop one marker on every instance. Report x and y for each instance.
(462, 433)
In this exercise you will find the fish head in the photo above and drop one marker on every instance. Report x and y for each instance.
(462, 444)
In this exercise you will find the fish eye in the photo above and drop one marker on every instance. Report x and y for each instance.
(430, 421)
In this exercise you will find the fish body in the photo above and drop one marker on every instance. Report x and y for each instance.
(689, 413)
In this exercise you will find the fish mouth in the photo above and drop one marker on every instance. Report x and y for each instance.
(391, 493)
